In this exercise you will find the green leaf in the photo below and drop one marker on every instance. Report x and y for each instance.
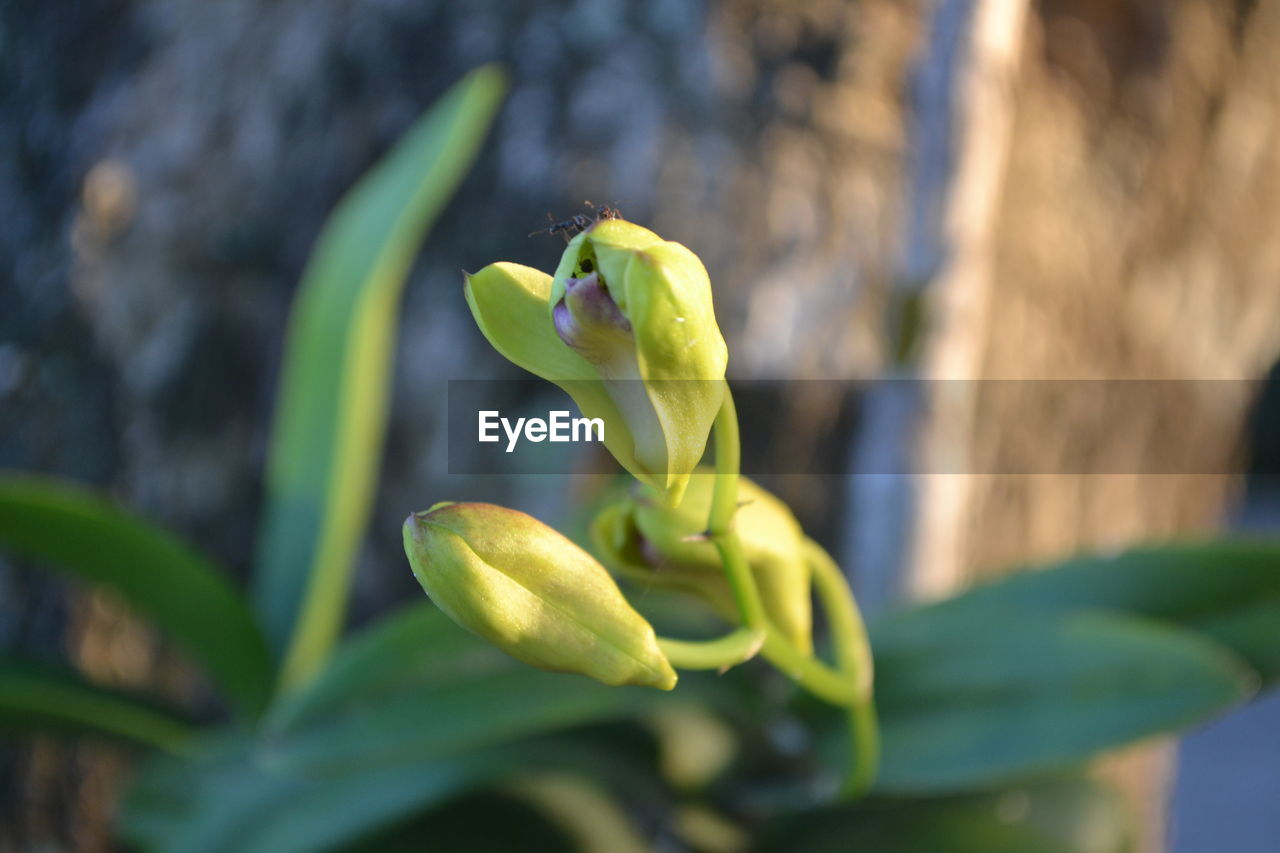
(479, 822)
(594, 820)
(416, 687)
(330, 420)
(42, 699)
(1058, 816)
(234, 797)
(163, 579)
(231, 800)
(1230, 590)
(967, 702)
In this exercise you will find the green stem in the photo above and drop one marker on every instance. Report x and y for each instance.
(808, 672)
(720, 529)
(744, 643)
(853, 653)
(722, 653)
(850, 685)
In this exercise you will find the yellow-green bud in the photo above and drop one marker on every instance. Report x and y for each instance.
(655, 545)
(532, 593)
(628, 329)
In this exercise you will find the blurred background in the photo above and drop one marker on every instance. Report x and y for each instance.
(959, 190)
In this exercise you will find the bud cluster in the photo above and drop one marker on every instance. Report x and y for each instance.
(626, 327)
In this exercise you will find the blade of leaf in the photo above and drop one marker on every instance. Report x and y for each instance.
(1069, 815)
(42, 699)
(967, 702)
(329, 425)
(478, 822)
(160, 577)
(592, 818)
(416, 687)
(231, 798)
(1230, 590)
(230, 801)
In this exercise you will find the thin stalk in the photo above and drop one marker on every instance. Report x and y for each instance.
(730, 650)
(853, 653)
(744, 643)
(808, 672)
(757, 633)
(720, 529)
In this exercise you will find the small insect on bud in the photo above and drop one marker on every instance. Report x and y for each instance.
(532, 593)
(655, 545)
(627, 328)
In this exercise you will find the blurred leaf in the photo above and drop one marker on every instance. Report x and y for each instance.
(1230, 590)
(966, 702)
(408, 714)
(231, 800)
(160, 577)
(417, 686)
(695, 745)
(481, 822)
(233, 797)
(41, 699)
(588, 815)
(330, 419)
(1058, 816)
(702, 828)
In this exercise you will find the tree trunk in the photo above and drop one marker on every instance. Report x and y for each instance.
(1123, 229)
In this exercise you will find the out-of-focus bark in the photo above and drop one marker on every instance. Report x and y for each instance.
(1133, 237)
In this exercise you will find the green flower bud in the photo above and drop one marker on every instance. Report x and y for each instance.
(656, 545)
(627, 328)
(532, 593)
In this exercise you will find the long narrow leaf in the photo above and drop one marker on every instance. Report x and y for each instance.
(977, 701)
(329, 425)
(416, 687)
(180, 807)
(39, 699)
(164, 580)
(234, 798)
(1229, 590)
(1068, 815)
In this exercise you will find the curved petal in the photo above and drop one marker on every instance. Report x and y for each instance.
(510, 304)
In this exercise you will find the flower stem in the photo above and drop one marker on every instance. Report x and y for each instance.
(807, 671)
(744, 643)
(849, 684)
(720, 529)
(721, 653)
(853, 653)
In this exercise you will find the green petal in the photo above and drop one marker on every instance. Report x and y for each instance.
(510, 305)
(611, 243)
(681, 352)
(664, 291)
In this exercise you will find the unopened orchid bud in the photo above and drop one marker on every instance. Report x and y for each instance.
(628, 329)
(655, 545)
(532, 593)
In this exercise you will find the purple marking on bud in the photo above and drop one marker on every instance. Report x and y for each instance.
(593, 311)
(649, 552)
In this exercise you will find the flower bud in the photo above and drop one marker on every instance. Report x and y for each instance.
(628, 329)
(533, 593)
(655, 545)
